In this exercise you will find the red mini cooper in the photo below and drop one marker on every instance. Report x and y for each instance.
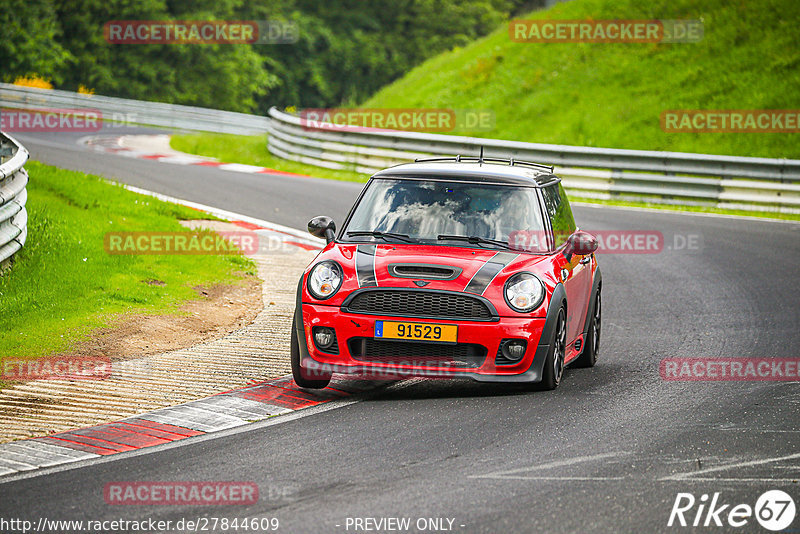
(451, 267)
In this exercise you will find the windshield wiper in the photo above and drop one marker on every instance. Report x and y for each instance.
(475, 240)
(382, 235)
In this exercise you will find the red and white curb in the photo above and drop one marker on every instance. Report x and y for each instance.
(156, 148)
(284, 234)
(213, 414)
(196, 418)
(149, 146)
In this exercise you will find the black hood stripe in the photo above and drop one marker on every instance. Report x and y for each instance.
(481, 279)
(365, 265)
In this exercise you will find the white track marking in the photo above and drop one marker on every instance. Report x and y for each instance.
(691, 474)
(15, 465)
(300, 235)
(552, 465)
(246, 409)
(767, 480)
(556, 478)
(240, 167)
(41, 454)
(196, 418)
(765, 430)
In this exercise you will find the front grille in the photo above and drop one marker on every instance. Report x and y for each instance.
(460, 355)
(410, 303)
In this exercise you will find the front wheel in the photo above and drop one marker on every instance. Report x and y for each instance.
(554, 364)
(300, 375)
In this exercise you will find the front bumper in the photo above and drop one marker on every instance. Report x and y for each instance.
(355, 330)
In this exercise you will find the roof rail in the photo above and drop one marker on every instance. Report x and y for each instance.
(546, 180)
(480, 159)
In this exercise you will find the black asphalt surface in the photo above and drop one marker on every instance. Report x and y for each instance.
(590, 457)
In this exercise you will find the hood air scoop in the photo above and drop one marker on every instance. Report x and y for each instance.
(424, 271)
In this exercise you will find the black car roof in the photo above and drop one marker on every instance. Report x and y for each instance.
(507, 172)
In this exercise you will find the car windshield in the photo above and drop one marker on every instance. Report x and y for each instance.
(437, 211)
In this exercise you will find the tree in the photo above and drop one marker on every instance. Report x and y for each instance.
(30, 40)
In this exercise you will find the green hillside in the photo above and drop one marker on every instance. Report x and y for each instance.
(612, 95)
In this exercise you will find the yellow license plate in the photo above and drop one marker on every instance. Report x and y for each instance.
(443, 333)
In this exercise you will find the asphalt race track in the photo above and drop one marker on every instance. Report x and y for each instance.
(607, 452)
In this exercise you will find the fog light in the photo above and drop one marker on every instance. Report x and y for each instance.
(514, 350)
(324, 337)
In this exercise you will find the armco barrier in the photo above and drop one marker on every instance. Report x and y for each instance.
(134, 111)
(601, 173)
(13, 196)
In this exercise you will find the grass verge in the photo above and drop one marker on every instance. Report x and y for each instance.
(575, 199)
(612, 94)
(63, 284)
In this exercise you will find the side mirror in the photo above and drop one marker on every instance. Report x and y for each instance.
(580, 243)
(322, 227)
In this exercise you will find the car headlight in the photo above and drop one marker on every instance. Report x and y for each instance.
(324, 280)
(524, 292)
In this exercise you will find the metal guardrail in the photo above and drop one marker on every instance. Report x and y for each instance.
(134, 111)
(730, 182)
(595, 173)
(13, 196)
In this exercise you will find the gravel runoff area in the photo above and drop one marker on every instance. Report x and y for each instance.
(257, 352)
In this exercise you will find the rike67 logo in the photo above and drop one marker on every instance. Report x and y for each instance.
(774, 510)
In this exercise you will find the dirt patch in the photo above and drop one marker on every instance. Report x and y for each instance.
(219, 310)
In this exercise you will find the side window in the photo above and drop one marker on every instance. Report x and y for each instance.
(557, 206)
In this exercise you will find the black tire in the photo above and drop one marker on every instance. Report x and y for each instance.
(591, 344)
(554, 364)
(300, 375)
